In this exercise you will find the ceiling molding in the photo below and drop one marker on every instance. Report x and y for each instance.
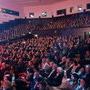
(34, 2)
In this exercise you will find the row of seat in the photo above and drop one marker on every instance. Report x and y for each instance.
(20, 27)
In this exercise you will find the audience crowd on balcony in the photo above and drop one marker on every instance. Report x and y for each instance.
(46, 63)
(24, 26)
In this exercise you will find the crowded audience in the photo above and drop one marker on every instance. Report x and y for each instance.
(46, 63)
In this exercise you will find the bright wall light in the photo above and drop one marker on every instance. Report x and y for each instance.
(32, 16)
(79, 8)
(44, 14)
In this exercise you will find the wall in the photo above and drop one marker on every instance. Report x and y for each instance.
(51, 9)
(11, 6)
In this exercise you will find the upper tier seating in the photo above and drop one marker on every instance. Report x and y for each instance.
(19, 27)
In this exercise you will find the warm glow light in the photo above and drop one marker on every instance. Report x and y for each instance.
(80, 8)
(32, 16)
(44, 14)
